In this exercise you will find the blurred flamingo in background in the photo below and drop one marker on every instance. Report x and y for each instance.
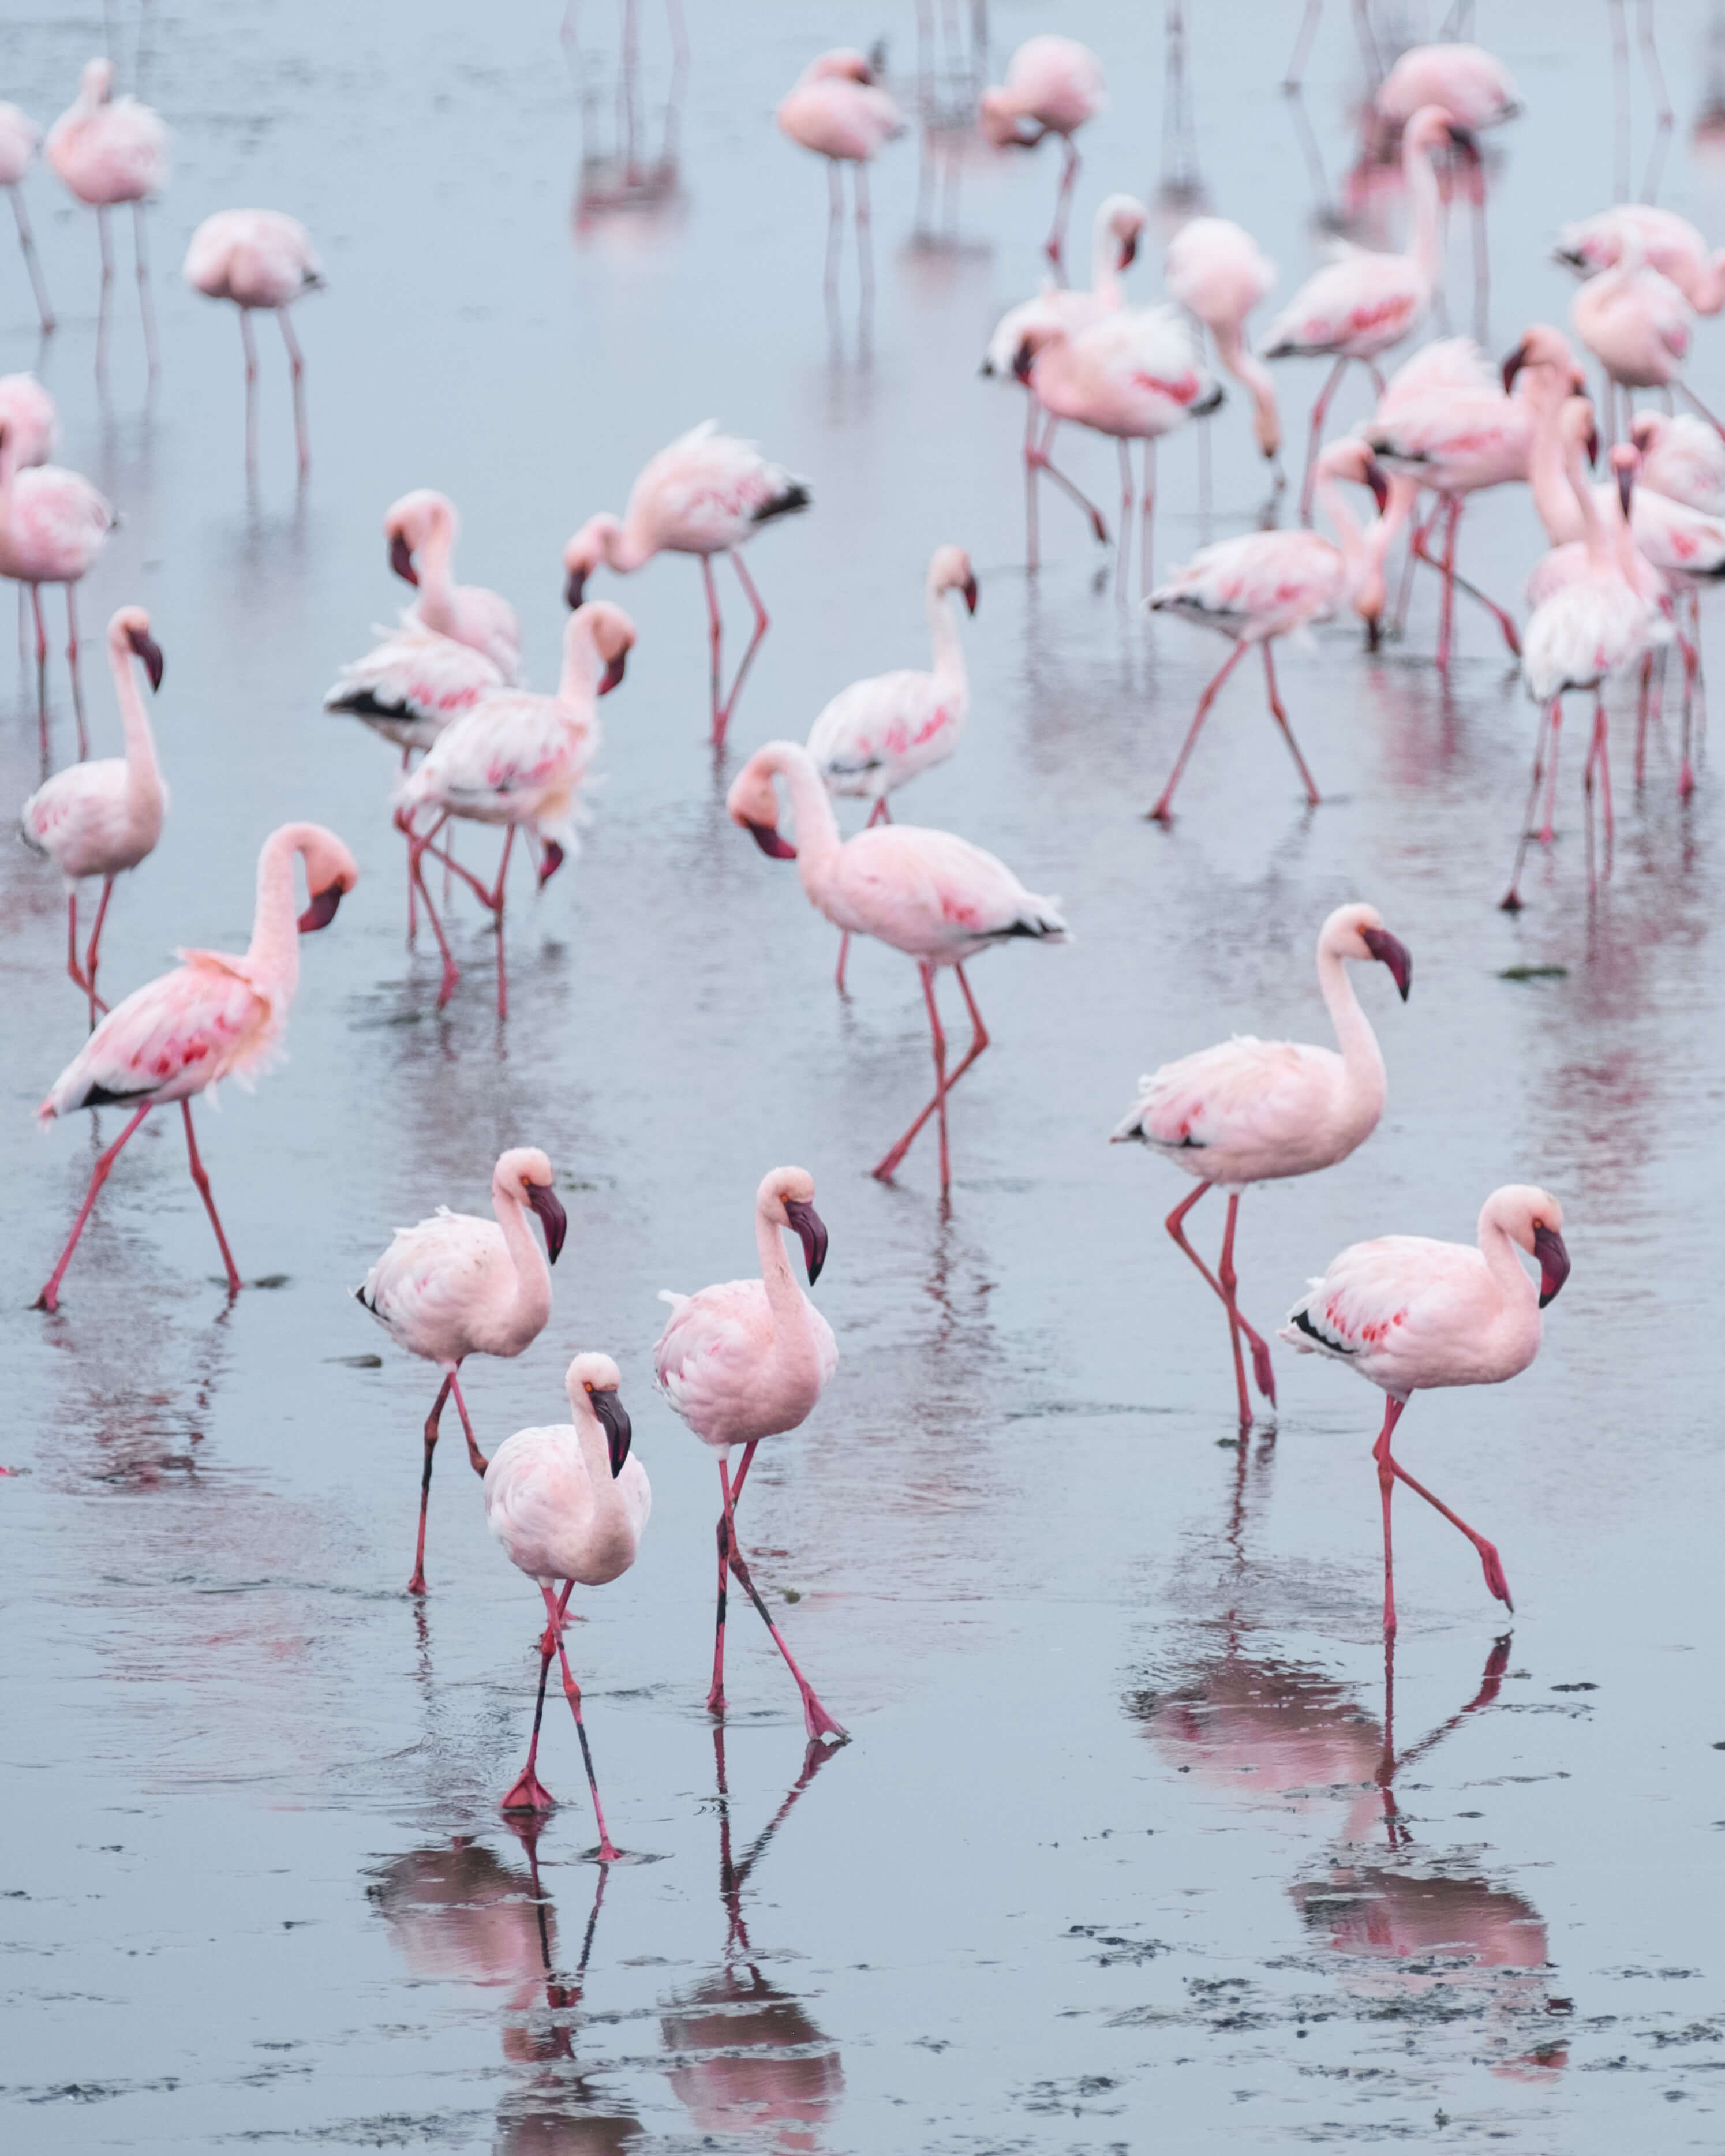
(838, 111)
(52, 525)
(31, 417)
(108, 150)
(1669, 244)
(422, 529)
(1217, 271)
(1636, 322)
(1053, 86)
(259, 259)
(19, 137)
(1682, 458)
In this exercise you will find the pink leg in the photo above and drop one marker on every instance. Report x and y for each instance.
(250, 351)
(572, 1692)
(296, 368)
(1510, 902)
(1549, 831)
(1691, 686)
(1162, 813)
(762, 624)
(1262, 1369)
(49, 1298)
(1281, 720)
(1040, 458)
(416, 1585)
(1685, 392)
(202, 1180)
(74, 968)
(89, 956)
(502, 969)
(27, 241)
(1447, 624)
(401, 825)
(1319, 412)
(1146, 514)
(527, 1793)
(1386, 1490)
(107, 254)
(140, 255)
(1599, 756)
(72, 668)
(416, 849)
(979, 1042)
(1642, 704)
(1063, 204)
(41, 671)
(1122, 552)
(1033, 413)
(715, 1690)
(715, 639)
(1493, 1564)
(880, 813)
(1512, 635)
(476, 1458)
(815, 1718)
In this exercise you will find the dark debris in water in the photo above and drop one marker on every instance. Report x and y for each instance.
(1534, 973)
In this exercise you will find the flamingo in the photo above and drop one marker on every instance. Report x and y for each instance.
(838, 111)
(1409, 1314)
(1217, 271)
(108, 150)
(1264, 584)
(937, 898)
(706, 494)
(1053, 86)
(1681, 458)
(31, 415)
(1478, 91)
(413, 684)
(1636, 322)
(1669, 244)
(749, 1359)
(422, 529)
(100, 819)
(1254, 1111)
(19, 137)
(214, 1016)
(876, 735)
(259, 259)
(1362, 303)
(519, 760)
(458, 1286)
(52, 525)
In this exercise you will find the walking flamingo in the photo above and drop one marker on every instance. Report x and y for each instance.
(1636, 322)
(747, 1360)
(519, 760)
(1254, 1111)
(214, 1016)
(838, 111)
(259, 259)
(52, 525)
(19, 137)
(1217, 271)
(458, 1286)
(1409, 1314)
(1053, 86)
(108, 150)
(1669, 244)
(878, 734)
(1264, 584)
(569, 1503)
(706, 494)
(422, 529)
(100, 819)
(937, 898)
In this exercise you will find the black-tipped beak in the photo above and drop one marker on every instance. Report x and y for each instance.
(1128, 251)
(614, 1416)
(1626, 488)
(1553, 1262)
(987, 366)
(1023, 360)
(1463, 138)
(809, 1225)
(150, 651)
(1593, 448)
(1512, 367)
(766, 837)
(401, 559)
(550, 861)
(1378, 484)
(546, 1203)
(613, 674)
(968, 588)
(322, 912)
(1390, 951)
(574, 587)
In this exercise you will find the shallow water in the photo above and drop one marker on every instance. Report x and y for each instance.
(1117, 1857)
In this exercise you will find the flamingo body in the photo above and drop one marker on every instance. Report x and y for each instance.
(1635, 322)
(1669, 244)
(1217, 272)
(1683, 458)
(1053, 86)
(1473, 85)
(411, 686)
(704, 493)
(108, 149)
(837, 111)
(256, 258)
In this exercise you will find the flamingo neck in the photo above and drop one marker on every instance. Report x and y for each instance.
(1593, 525)
(1546, 477)
(784, 1298)
(143, 774)
(1356, 557)
(436, 565)
(532, 1274)
(626, 545)
(1248, 369)
(579, 681)
(1362, 1059)
(947, 644)
(596, 1459)
(272, 958)
(1426, 248)
(1501, 1255)
(817, 841)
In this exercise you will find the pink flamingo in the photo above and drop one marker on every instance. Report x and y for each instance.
(1669, 244)
(838, 111)
(1635, 323)
(1681, 458)
(1409, 1314)
(706, 494)
(569, 1503)
(876, 735)
(19, 137)
(259, 259)
(32, 418)
(1053, 86)
(1257, 1111)
(1362, 303)
(519, 760)
(937, 898)
(52, 525)
(1217, 271)
(1478, 91)
(458, 1286)
(100, 819)
(422, 529)
(1265, 584)
(746, 1360)
(108, 150)
(214, 1016)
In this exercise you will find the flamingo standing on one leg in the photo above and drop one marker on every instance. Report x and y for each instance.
(878, 734)
(937, 898)
(52, 525)
(1053, 86)
(19, 137)
(706, 494)
(569, 1503)
(838, 111)
(1409, 1314)
(458, 1286)
(102, 819)
(1217, 271)
(108, 150)
(748, 1359)
(1257, 1111)
(422, 528)
(259, 259)
(214, 1016)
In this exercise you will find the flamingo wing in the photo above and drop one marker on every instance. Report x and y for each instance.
(171, 1038)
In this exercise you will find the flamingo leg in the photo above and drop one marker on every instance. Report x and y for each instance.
(502, 968)
(1040, 458)
(1448, 619)
(1033, 413)
(1302, 45)
(1281, 720)
(198, 1176)
(715, 1690)
(1512, 635)
(27, 241)
(1122, 552)
(416, 850)
(41, 670)
(1055, 246)
(1691, 680)
(249, 346)
(1599, 756)
(107, 255)
(979, 1042)
(864, 250)
(762, 624)
(1641, 710)
(1510, 902)
(716, 637)
(416, 1585)
(527, 1793)
(1319, 411)
(89, 956)
(1386, 1490)
(146, 309)
(1689, 396)
(572, 1692)
(1146, 512)
(1163, 812)
(1388, 1467)
(1548, 830)
(880, 813)
(401, 825)
(1262, 1369)
(476, 1460)
(816, 1720)
(296, 368)
(72, 668)
(49, 1298)
(835, 223)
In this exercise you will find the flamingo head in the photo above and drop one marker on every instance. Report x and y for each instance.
(612, 634)
(1125, 217)
(410, 522)
(1625, 464)
(591, 545)
(753, 802)
(95, 81)
(330, 873)
(1004, 124)
(1432, 128)
(132, 626)
(525, 1173)
(1543, 346)
(1035, 341)
(1533, 1218)
(950, 570)
(592, 1381)
(786, 1199)
(844, 63)
(1358, 931)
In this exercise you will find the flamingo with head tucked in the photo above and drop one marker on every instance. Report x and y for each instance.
(259, 259)
(1053, 86)
(19, 137)
(422, 529)
(109, 150)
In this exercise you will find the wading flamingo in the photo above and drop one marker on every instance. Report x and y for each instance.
(1409, 1314)
(1637, 323)
(102, 819)
(1053, 86)
(259, 259)
(1264, 584)
(878, 734)
(1478, 91)
(108, 150)
(838, 111)
(569, 1503)
(1254, 1111)
(458, 1286)
(1217, 271)
(1669, 244)
(519, 760)
(52, 525)
(706, 494)
(1681, 458)
(214, 1016)
(32, 418)
(748, 1359)
(19, 137)
(422, 529)
(937, 898)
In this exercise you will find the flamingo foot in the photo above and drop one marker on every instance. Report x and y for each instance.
(819, 1723)
(416, 1585)
(715, 1700)
(528, 1794)
(1262, 1371)
(1510, 902)
(1495, 1579)
(452, 973)
(1686, 783)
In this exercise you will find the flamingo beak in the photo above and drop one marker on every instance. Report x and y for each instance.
(401, 558)
(550, 862)
(546, 1203)
(1554, 1261)
(574, 587)
(613, 674)
(1390, 951)
(1593, 448)
(969, 589)
(809, 1225)
(150, 651)
(766, 837)
(1625, 487)
(1128, 251)
(322, 912)
(1513, 365)
(1378, 484)
(1023, 360)
(614, 1416)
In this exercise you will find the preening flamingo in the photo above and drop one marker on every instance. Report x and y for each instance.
(1217, 271)
(937, 898)
(52, 525)
(458, 1286)
(1254, 1111)
(32, 418)
(746, 1360)
(422, 528)
(214, 1016)
(108, 150)
(1637, 323)
(1053, 86)
(1264, 584)
(838, 111)
(102, 819)
(19, 137)
(259, 259)
(1409, 1314)
(706, 494)
(519, 760)
(569, 1503)
(1669, 244)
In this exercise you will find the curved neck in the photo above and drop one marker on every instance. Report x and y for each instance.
(1104, 254)
(1592, 526)
(1355, 560)
(579, 681)
(1551, 500)
(532, 1274)
(1498, 1248)
(436, 565)
(1248, 369)
(625, 547)
(1362, 1059)
(943, 636)
(273, 957)
(595, 1457)
(143, 775)
(1426, 246)
(818, 840)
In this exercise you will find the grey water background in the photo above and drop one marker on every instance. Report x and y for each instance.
(1106, 1865)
